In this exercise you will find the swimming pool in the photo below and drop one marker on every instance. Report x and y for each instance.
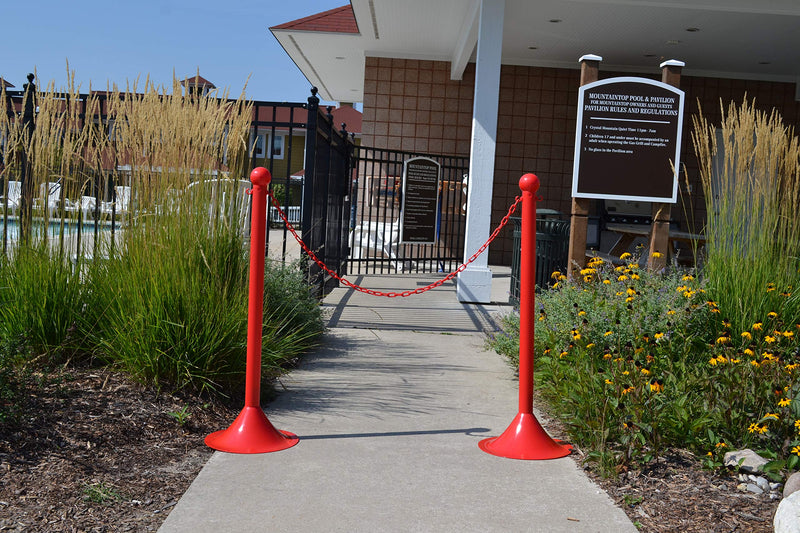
(54, 228)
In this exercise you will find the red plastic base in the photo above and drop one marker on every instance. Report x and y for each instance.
(251, 432)
(525, 438)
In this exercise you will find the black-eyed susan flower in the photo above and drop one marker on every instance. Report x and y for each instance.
(797, 425)
(747, 335)
(687, 277)
(772, 314)
(609, 382)
(770, 287)
(757, 428)
(656, 385)
(757, 326)
(796, 450)
(657, 255)
(628, 390)
(784, 402)
(773, 416)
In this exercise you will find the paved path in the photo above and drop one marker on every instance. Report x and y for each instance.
(389, 412)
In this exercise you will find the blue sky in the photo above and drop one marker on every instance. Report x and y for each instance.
(119, 40)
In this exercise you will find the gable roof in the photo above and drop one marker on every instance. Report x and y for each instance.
(197, 81)
(337, 20)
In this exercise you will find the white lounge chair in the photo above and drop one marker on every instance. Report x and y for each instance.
(13, 196)
(383, 237)
(227, 199)
(120, 205)
(49, 197)
(87, 207)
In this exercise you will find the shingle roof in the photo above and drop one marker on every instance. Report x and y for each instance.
(197, 81)
(337, 20)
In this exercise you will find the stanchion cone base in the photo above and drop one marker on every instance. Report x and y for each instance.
(525, 438)
(251, 432)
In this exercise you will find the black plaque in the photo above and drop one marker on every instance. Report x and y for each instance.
(627, 140)
(420, 201)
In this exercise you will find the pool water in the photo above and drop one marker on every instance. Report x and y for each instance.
(11, 228)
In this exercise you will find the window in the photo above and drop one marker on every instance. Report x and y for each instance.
(260, 143)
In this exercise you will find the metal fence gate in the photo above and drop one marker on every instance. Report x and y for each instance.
(375, 203)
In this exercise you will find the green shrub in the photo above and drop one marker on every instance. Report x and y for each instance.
(633, 362)
(170, 308)
(41, 301)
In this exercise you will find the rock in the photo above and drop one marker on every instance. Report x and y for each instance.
(762, 483)
(751, 462)
(792, 484)
(787, 516)
(743, 478)
(755, 489)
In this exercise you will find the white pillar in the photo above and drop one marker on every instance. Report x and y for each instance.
(475, 283)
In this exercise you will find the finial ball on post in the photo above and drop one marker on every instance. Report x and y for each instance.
(260, 176)
(529, 183)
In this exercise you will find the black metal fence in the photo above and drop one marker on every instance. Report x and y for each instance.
(326, 195)
(375, 215)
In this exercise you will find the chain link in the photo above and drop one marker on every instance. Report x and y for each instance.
(402, 294)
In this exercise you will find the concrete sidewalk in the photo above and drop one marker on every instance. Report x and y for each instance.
(389, 420)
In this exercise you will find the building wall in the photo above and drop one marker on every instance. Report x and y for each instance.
(413, 105)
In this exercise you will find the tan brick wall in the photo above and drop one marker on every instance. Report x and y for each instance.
(413, 105)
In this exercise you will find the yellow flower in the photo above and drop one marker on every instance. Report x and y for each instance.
(625, 255)
(629, 389)
(658, 336)
(625, 373)
(587, 271)
(656, 255)
(689, 293)
(784, 402)
(588, 279)
(791, 367)
(656, 386)
(687, 277)
(755, 428)
(581, 313)
(609, 382)
(720, 445)
(645, 371)
(556, 274)
(746, 335)
(796, 450)
(562, 355)
(682, 288)
(606, 356)
(635, 276)
(606, 282)
(607, 333)
(749, 352)
(770, 287)
(769, 339)
(774, 416)
(755, 363)
(723, 340)
(623, 277)
(629, 299)
(788, 334)
(797, 424)
(590, 345)
(757, 326)
(713, 361)
(772, 314)
(671, 312)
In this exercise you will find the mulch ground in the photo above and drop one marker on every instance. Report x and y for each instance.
(91, 451)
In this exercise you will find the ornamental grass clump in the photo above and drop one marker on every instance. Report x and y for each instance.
(750, 170)
(158, 286)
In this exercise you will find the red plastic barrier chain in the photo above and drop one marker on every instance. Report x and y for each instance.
(403, 294)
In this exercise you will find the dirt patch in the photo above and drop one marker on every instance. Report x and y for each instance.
(94, 452)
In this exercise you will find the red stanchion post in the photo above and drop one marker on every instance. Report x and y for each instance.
(525, 438)
(252, 432)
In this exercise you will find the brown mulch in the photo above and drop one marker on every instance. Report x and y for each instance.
(676, 494)
(92, 451)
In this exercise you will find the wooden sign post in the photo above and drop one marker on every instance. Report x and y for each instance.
(579, 219)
